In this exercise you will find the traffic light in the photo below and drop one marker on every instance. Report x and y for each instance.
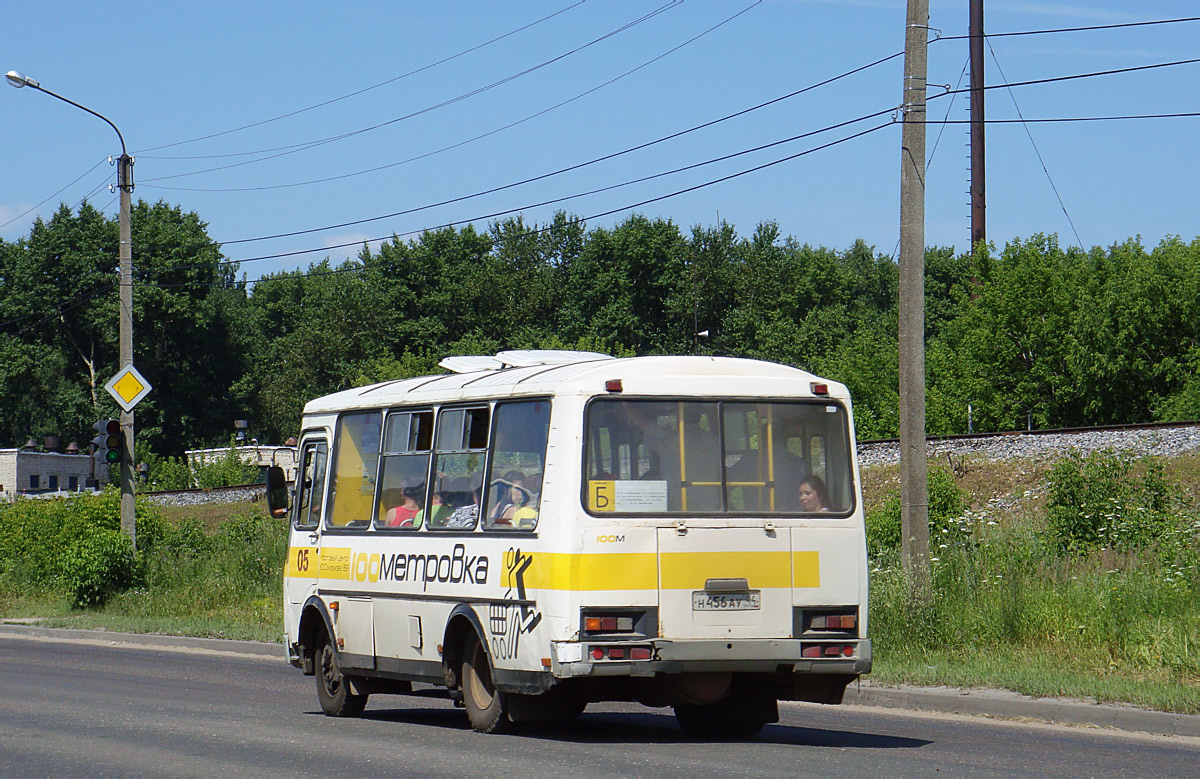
(114, 442)
(110, 444)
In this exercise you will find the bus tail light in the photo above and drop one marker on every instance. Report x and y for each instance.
(605, 621)
(613, 385)
(622, 653)
(819, 388)
(827, 650)
(825, 621)
(608, 624)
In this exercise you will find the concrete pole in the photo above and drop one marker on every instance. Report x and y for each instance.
(128, 503)
(914, 488)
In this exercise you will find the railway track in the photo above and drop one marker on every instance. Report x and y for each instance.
(1162, 439)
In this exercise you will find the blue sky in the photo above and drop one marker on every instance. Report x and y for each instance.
(169, 72)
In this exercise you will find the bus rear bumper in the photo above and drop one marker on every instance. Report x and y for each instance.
(667, 656)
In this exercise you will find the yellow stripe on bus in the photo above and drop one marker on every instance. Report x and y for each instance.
(761, 570)
(806, 569)
(680, 570)
(586, 572)
(614, 571)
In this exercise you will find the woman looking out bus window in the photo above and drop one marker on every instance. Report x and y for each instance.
(814, 497)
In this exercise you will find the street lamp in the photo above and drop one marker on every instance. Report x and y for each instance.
(125, 184)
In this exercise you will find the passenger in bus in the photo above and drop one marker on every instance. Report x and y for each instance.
(466, 506)
(404, 514)
(814, 496)
(512, 496)
(526, 516)
(438, 511)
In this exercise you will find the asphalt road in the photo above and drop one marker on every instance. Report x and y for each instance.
(87, 708)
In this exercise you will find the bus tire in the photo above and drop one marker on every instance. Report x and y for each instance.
(333, 689)
(486, 706)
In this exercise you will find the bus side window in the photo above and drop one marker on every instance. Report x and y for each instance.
(407, 443)
(514, 484)
(461, 449)
(356, 459)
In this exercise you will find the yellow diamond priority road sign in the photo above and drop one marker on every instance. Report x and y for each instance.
(128, 387)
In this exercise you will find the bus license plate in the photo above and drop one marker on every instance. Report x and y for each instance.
(727, 601)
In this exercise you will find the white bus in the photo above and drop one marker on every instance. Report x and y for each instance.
(540, 529)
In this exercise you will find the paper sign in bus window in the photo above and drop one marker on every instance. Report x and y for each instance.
(628, 496)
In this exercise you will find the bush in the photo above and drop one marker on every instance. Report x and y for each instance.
(947, 505)
(1106, 500)
(98, 565)
(38, 537)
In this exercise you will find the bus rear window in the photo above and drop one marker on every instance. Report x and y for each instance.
(717, 457)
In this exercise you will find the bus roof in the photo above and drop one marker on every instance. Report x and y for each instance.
(670, 376)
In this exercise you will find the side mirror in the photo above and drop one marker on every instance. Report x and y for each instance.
(277, 492)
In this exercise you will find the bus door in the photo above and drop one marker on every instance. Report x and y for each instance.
(303, 562)
(349, 572)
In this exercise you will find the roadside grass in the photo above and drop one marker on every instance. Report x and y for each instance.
(1078, 628)
(1008, 607)
(217, 576)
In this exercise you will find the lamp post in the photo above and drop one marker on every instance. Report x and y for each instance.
(125, 184)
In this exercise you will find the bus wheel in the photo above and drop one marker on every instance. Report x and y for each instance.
(717, 721)
(333, 690)
(486, 706)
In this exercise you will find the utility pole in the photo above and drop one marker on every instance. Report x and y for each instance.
(125, 334)
(978, 199)
(914, 487)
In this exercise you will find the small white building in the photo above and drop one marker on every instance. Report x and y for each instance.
(27, 472)
(262, 456)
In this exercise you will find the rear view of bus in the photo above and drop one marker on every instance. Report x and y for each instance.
(540, 530)
(749, 497)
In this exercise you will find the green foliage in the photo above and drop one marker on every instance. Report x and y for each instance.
(73, 544)
(948, 519)
(1104, 500)
(190, 342)
(1032, 330)
(98, 565)
(170, 473)
(1128, 609)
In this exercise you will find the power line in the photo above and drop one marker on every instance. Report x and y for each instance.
(304, 146)
(1067, 119)
(1092, 74)
(1074, 29)
(60, 308)
(1036, 151)
(56, 194)
(938, 140)
(614, 186)
(576, 166)
(661, 140)
(468, 140)
(359, 91)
